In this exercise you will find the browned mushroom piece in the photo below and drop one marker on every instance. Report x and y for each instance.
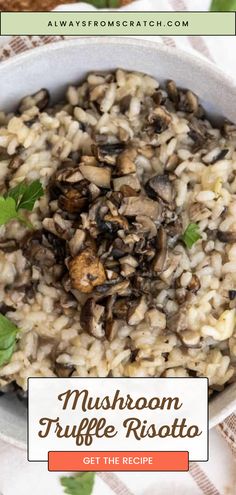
(229, 130)
(140, 205)
(127, 180)
(91, 318)
(111, 329)
(72, 202)
(226, 237)
(191, 104)
(198, 212)
(160, 260)
(109, 152)
(172, 91)
(114, 223)
(160, 186)
(34, 250)
(127, 191)
(64, 370)
(100, 176)
(146, 226)
(15, 162)
(58, 226)
(136, 311)
(120, 308)
(86, 271)
(8, 245)
(194, 284)
(172, 163)
(125, 164)
(159, 119)
(68, 174)
(113, 287)
(39, 99)
(77, 241)
(4, 154)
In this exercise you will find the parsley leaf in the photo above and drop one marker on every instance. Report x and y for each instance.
(8, 334)
(21, 197)
(79, 484)
(33, 192)
(7, 210)
(223, 5)
(191, 235)
(25, 195)
(17, 192)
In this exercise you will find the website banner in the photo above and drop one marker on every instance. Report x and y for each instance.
(99, 23)
(118, 415)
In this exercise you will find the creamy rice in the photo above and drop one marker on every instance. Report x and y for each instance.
(188, 328)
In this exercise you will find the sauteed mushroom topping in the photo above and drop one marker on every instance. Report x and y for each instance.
(118, 233)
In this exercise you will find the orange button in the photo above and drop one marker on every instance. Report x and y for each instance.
(118, 461)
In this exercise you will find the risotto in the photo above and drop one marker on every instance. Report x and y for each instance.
(126, 265)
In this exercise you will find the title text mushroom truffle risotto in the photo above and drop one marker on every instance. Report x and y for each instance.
(118, 235)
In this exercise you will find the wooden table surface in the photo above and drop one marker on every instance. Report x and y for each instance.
(37, 5)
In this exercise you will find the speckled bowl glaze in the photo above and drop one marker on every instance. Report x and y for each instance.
(57, 65)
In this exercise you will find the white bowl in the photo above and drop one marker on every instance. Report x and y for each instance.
(55, 66)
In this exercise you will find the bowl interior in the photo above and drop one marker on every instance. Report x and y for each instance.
(57, 65)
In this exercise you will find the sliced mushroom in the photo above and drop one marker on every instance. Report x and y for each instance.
(198, 212)
(39, 99)
(172, 91)
(8, 246)
(68, 174)
(146, 226)
(191, 104)
(133, 206)
(76, 242)
(172, 163)
(100, 176)
(136, 311)
(128, 265)
(86, 271)
(91, 318)
(64, 370)
(15, 162)
(160, 186)
(125, 164)
(58, 226)
(127, 180)
(72, 202)
(108, 153)
(160, 260)
(111, 329)
(112, 224)
(159, 119)
(34, 250)
(113, 287)
(227, 237)
(120, 308)
(178, 322)
(194, 284)
(127, 191)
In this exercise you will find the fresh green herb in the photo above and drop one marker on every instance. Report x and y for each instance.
(8, 334)
(223, 5)
(191, 235)
(21, 197)
(79, 484)
(103, 4)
